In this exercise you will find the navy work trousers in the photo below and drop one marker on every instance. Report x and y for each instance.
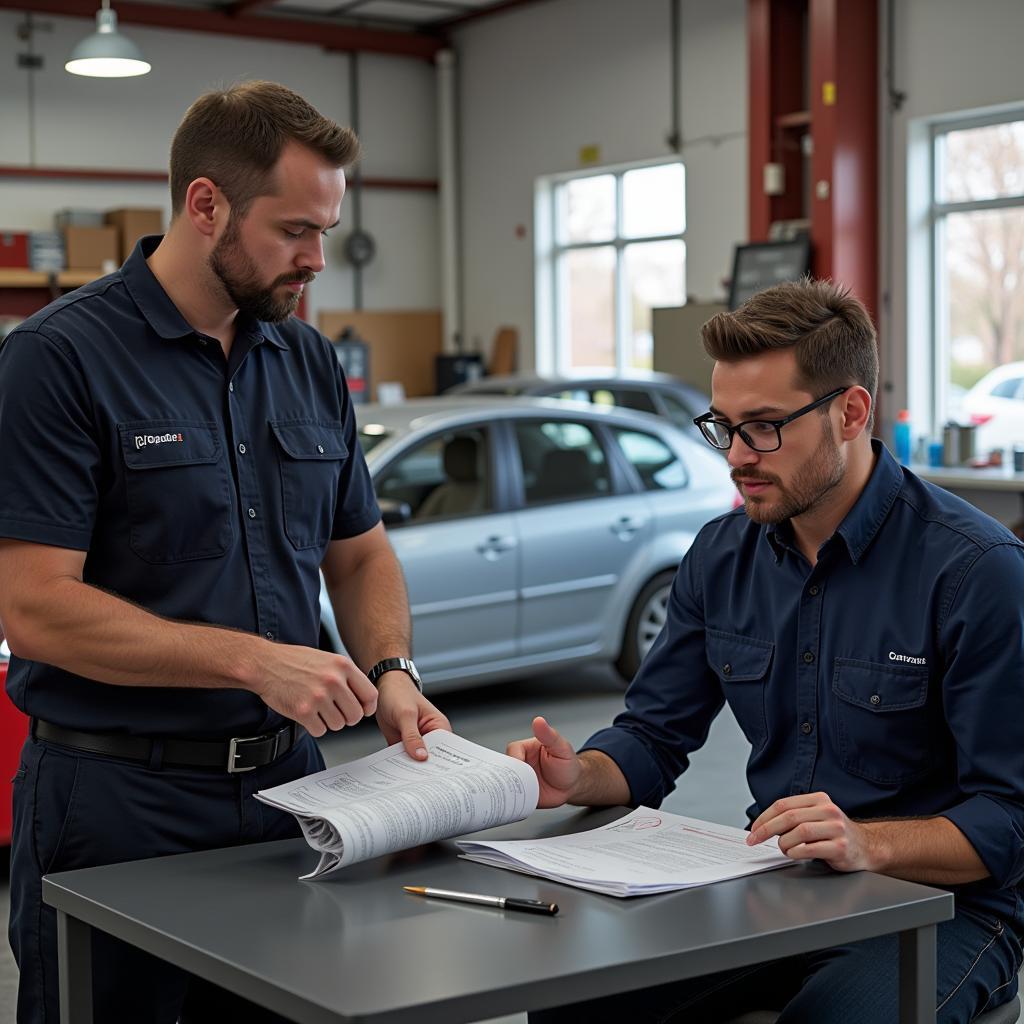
(978, 959)
(76, 810)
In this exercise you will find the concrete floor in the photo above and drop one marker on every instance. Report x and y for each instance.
(577, 703)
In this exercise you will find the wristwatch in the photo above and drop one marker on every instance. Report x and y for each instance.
(395, 665)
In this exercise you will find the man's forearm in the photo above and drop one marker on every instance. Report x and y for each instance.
(372, 610)
(601, 782)
(929, 850)
(92, 633)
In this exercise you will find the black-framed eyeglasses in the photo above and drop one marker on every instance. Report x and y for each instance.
(758, 435)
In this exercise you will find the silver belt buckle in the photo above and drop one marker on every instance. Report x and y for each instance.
(233, 754)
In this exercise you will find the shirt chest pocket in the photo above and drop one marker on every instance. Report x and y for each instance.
(882, 720)
(178, 490)
(311, 457)
(741, 664)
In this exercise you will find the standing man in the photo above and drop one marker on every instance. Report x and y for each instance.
(866, 629)
(180, 461)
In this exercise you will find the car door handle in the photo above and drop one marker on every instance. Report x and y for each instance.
(625, 527)
(495, 546)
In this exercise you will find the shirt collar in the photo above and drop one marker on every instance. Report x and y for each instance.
(161, 313)
(864, 520)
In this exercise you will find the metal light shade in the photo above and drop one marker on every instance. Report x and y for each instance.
(107, 53)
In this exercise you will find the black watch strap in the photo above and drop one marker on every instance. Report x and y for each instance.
(395, 665)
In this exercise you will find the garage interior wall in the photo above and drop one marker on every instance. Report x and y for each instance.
(537, 83)
(127, 124)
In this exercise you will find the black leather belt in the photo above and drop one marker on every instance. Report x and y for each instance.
(238, 754)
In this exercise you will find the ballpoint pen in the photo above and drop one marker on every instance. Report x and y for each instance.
(501, 902)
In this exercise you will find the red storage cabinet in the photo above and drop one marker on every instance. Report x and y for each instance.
(13, 730)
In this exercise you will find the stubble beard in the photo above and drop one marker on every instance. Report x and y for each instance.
(240, 278)
(812, 482)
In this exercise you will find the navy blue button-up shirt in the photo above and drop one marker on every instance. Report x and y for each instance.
(204, 489)
(890, 675)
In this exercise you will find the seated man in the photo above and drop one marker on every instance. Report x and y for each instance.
(866, 629)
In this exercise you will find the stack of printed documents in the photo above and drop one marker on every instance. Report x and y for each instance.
(644, 852)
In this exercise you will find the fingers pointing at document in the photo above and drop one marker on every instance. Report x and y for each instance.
(812, 827)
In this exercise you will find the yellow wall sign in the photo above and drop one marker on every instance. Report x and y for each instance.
(828, 93)
(590, 155)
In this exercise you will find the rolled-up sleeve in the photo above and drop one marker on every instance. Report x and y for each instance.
(982, 638)
(356, 510)
(671, 702)
(48, 449)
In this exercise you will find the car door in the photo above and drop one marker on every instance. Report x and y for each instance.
(578, 536)
(458, 552)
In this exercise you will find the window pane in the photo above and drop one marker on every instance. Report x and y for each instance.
(586, 210)
(654, 461)
(654, 201)
(561, 461)
(655, 276)
(445, 476)
(587, 293)
(982, 163)
(982, 264)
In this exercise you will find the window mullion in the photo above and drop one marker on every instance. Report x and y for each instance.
(623, 315)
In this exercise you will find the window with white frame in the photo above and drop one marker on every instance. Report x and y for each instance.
(977, 214)
(611, 247)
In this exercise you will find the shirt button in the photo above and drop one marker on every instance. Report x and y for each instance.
(875, 699)
(241, 449)
(808, 656)
(320, 448)
(252, 513)
(727, 669)
(813, 591)
(269, 635)
(231, 386)
(807, 728)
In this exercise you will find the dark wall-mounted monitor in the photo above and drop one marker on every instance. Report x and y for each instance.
(759, 265)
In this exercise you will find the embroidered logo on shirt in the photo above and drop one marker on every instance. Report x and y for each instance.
(893, 656)
(141, 440)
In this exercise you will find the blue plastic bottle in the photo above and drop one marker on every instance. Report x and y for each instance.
(901, 440)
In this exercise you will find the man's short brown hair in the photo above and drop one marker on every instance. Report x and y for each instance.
(827, 327)
(235, 137)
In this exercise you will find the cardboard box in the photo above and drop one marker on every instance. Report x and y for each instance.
(132, 224)
(77, 217)
(88, 248)
(14, 249)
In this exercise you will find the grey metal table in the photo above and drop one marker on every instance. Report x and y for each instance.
(355, 948)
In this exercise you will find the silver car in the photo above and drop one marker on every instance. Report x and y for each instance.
(536, 533)
(642, 390)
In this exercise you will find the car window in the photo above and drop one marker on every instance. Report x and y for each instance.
(447, 475)
(572, 395)
(678, 412)
(658, 466)
(1007, 388)
(633, 398)
(561, 461)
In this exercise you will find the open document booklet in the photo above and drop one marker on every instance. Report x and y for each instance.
(388, 802)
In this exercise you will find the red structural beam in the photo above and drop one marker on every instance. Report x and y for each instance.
(101, 174)
(220, 21)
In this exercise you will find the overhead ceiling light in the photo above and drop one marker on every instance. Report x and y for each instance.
(107, 53)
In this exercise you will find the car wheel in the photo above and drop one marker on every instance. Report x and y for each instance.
(644, 624)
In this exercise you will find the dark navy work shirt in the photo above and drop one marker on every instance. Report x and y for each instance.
(890, 675)
(203, 489)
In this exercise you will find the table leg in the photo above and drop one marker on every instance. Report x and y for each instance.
(74, 969)
(918, 976)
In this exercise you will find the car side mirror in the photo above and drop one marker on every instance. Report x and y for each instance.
(394, 512)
